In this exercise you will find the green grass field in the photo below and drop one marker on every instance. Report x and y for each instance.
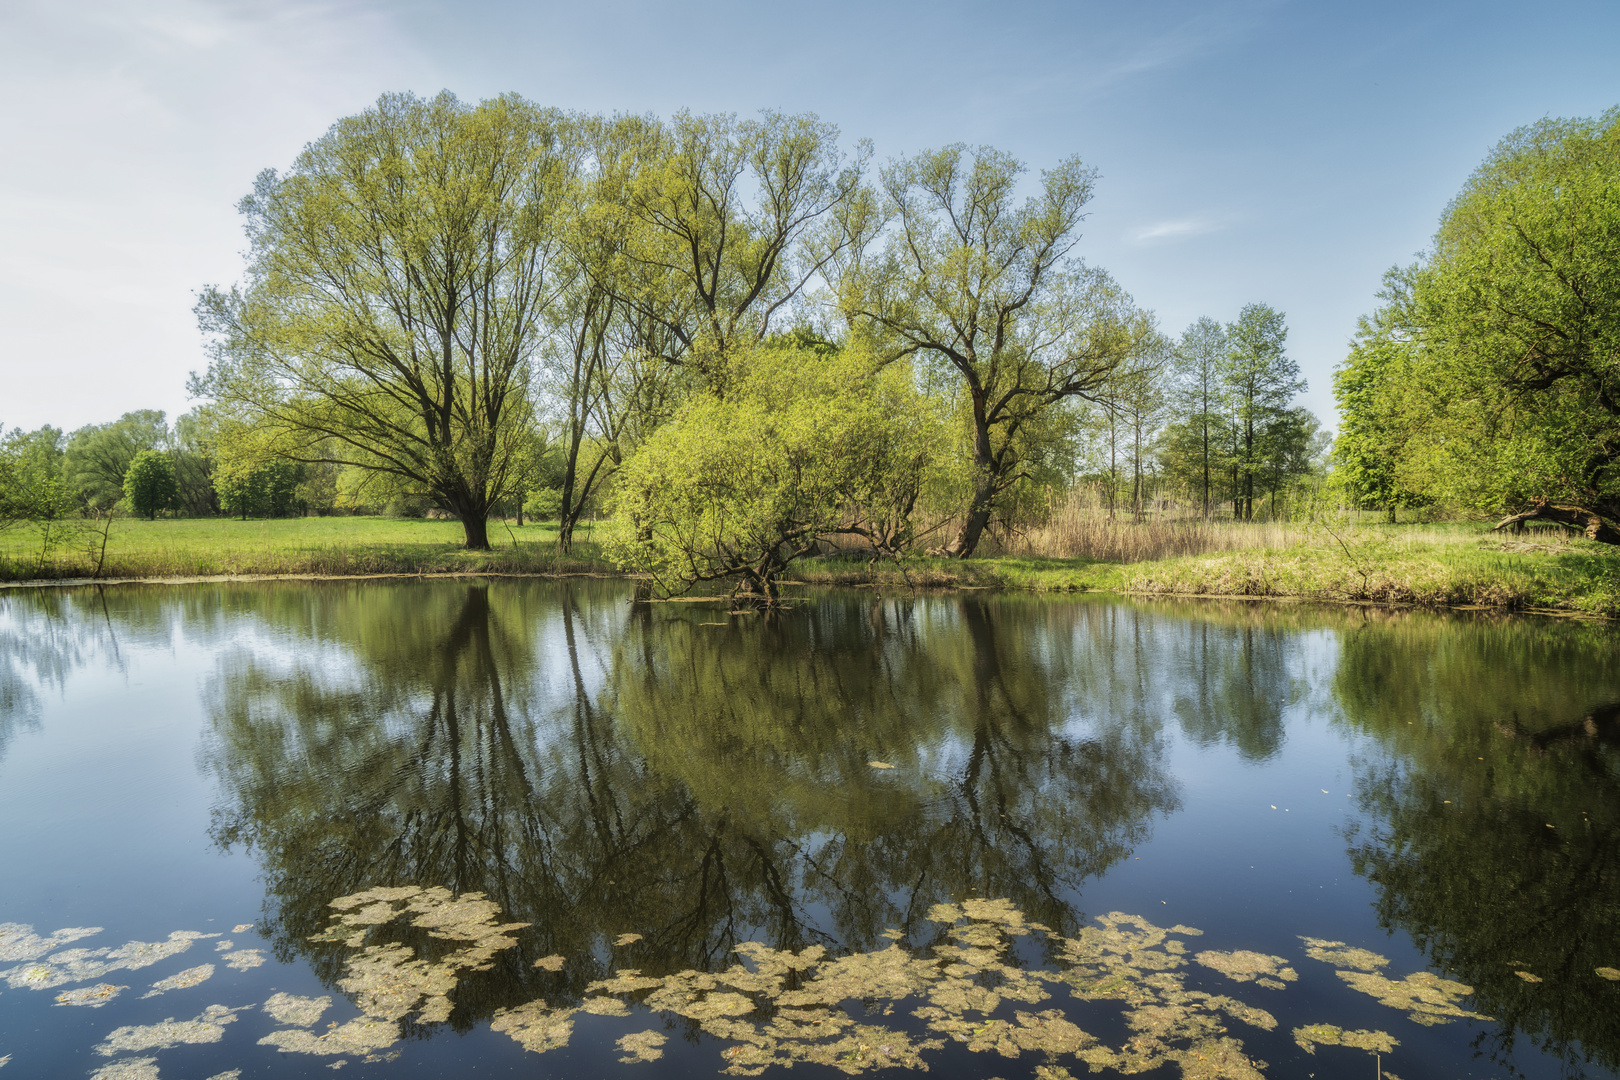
(1428, 565)
(206, 547)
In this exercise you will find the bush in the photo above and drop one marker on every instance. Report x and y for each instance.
(149, 484)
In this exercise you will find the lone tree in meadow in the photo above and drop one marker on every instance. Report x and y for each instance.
(398, 279)
(149, 483)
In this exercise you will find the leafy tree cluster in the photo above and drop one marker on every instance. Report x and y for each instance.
(499, 305)
(1211, 416)
(1489, 377)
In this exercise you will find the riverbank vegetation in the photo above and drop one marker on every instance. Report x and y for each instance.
(1433, 565)
(750, 357)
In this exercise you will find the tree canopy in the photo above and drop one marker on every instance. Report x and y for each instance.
(398, 277)
(806, 446)
(981, 287)
(1491, 376)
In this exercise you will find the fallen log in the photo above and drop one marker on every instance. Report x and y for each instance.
(1588, 522)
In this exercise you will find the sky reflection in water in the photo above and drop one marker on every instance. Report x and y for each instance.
(1435, 792)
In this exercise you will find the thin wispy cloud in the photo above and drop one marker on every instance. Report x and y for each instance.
(1179, 229)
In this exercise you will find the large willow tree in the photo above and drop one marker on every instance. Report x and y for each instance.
(398, 279)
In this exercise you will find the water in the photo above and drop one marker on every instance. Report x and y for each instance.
(1442, 791)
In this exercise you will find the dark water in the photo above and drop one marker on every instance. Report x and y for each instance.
(1441, 791)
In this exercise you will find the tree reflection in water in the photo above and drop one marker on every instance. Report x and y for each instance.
(1495, 810)
(599, 769)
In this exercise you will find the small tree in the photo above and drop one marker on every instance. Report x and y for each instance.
(804, 447)
(149, 483)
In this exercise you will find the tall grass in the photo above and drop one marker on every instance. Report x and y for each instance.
(1081, 525)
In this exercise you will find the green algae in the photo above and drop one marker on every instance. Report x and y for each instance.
(1243, 966)
(128, 1069)
(183, 980)
(209, 1027)
(641, 1046)
(296, 1011)
(1430, 999)
(1313, 1035)
(93, 996)
(1341, 955)
(776, 1008)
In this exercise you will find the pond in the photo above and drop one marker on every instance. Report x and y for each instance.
(467, 827)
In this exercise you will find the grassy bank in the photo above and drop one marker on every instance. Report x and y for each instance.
(207, 547)
(1429, 565)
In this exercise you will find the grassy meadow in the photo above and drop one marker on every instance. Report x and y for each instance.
(210, 547)
(1440, 565)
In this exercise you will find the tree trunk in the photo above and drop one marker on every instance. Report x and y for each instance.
(1588, 522)
(985, 480)
(476, 526)
(967, 537)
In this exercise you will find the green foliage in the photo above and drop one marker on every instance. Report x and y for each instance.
(31, 485)
(982, 290)
(1261, 380)
(1372, 387)
(97, 456)
(149, 483)
(1497, 379)
(262, 489)
(193, 456)
(802, 448)
(398, 278)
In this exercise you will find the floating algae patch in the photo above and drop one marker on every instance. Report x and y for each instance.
(1612, 974)
(535, 1026)
(1313, 1035)
(94, 996)
(182, 981)
(243, 959)
(295, 1010)
(82, 965)
(224, 946)
(775, 1008)
(604, 1006)
(19, 942)
(1244, 966)
(1528, 977)
(241, 928)
(128, 1069)
(364, 1035)
(389, 980)
(209, 1027)
(1341, 955)
(642, 1046)
(1430, 999)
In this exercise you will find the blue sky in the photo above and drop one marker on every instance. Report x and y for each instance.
(1283, 152)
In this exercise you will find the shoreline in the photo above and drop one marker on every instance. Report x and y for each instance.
(838, 581)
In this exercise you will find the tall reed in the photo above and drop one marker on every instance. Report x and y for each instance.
(1080, 524)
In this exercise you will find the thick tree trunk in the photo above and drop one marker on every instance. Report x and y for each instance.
(987, 477)
(476, 526)
(1589, 522)
(967, 537)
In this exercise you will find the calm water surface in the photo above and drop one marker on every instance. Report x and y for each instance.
(228, 760)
